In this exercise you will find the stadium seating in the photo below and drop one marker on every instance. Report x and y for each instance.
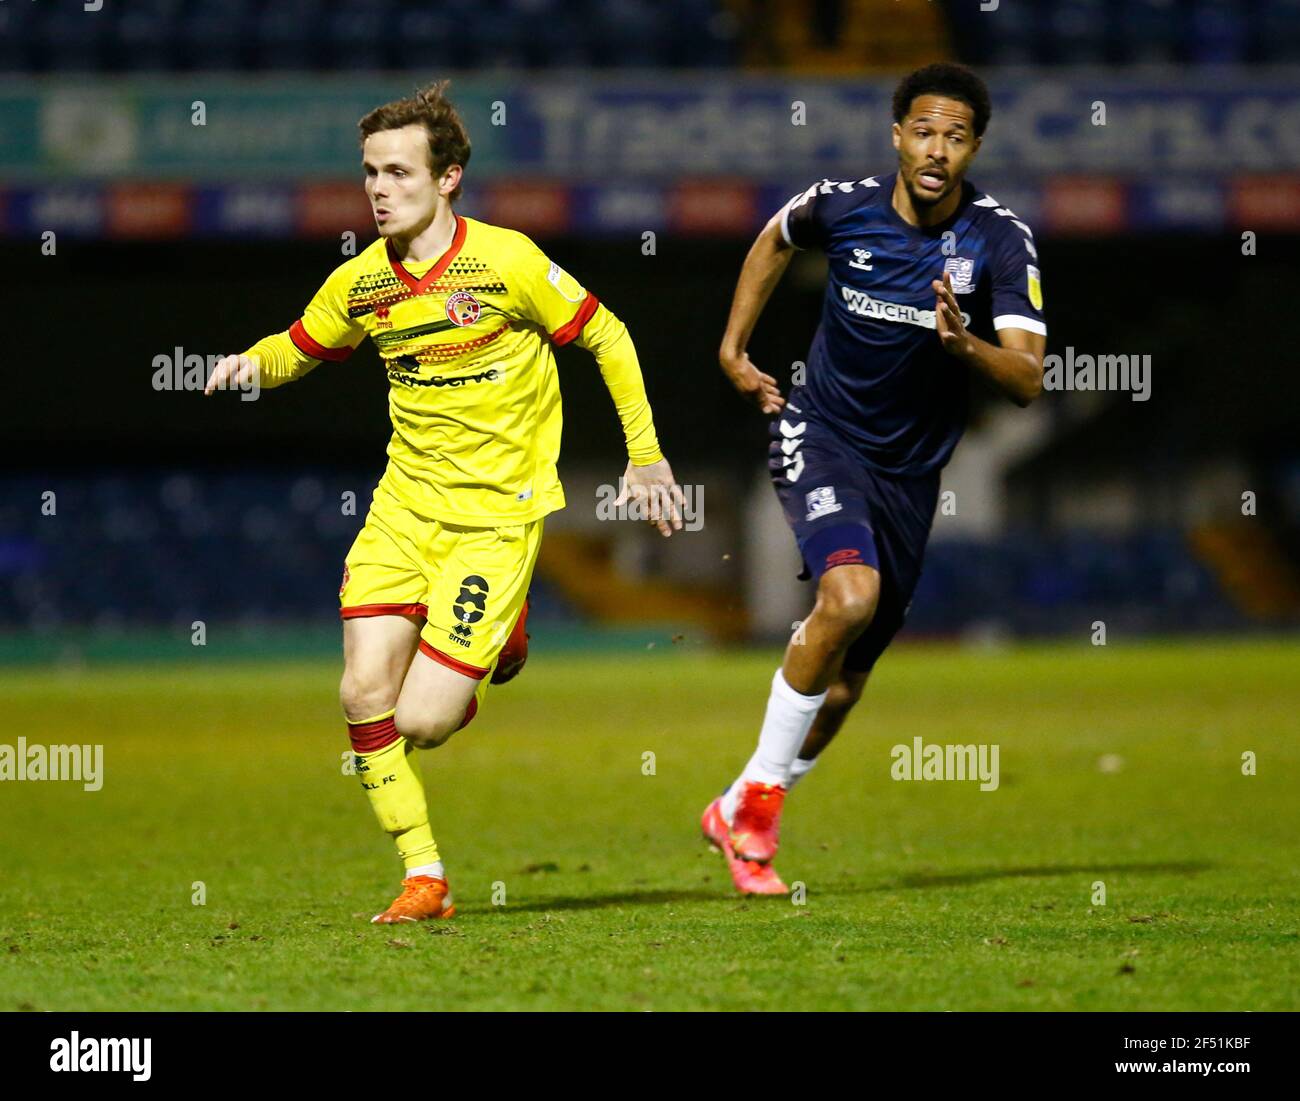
(1128, 32)
(312, 35)
(150, 550)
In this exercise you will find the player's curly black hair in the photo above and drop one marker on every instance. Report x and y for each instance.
(430, 108)
(945, 79)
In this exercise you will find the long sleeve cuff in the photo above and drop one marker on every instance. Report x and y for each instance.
(607, 338)
(279, 360)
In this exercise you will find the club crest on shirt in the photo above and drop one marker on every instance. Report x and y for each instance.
(463, 308)
(961, 271)
(821, 502)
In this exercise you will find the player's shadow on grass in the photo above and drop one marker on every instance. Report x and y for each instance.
(622, 898)
(960, 879)
(723, 892)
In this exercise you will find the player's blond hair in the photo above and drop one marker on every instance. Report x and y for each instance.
(430, 108)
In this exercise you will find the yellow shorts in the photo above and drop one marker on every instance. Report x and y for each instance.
(469, 584)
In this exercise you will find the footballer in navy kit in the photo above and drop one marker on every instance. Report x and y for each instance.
(929, 280)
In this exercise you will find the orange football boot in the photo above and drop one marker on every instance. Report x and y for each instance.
(749, 876)
(422, 897)
(757, 821)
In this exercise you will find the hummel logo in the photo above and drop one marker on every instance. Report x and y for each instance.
(860, 258)
(790, 458)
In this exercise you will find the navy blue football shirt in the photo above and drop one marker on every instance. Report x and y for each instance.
(877, 373)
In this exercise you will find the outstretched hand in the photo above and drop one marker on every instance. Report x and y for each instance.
(656, 492)
(231, 372)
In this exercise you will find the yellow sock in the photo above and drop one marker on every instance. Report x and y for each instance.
(394, 788)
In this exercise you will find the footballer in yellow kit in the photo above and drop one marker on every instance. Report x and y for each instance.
(464, 316)
(475, 404)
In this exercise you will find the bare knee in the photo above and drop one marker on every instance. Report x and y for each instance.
(363, 697)
(423, 729)
(847, 598)
(377, 652)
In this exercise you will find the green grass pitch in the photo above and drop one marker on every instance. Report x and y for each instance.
(919, 895)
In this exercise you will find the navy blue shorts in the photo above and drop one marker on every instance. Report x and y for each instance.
(844, 513)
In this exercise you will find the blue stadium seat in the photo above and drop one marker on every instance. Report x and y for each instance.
(512, 33)
(427, 40)
(1010, 36)
(358, 35)
(214, 35)
(290, 35)
(71, 41)
(144, 36)
(148, 550)
(1276, 32)
(547, 34)
(1152, 32)
(16, 37)
(1075, 32)
(628, 35)
(1218, 33)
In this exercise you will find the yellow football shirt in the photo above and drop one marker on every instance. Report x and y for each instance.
(474, 395)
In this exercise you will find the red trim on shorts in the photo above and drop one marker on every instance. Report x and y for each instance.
(470, 712)
(451, 662)
(419, 286)
(373, 736)
(359, 611)
(304, 342)
(568, 331)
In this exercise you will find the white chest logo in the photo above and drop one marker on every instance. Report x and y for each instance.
(961, 271)
(860, 258)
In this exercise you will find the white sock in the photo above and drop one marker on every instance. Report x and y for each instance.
(786, 724)
(799, 770)
(435, 869)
